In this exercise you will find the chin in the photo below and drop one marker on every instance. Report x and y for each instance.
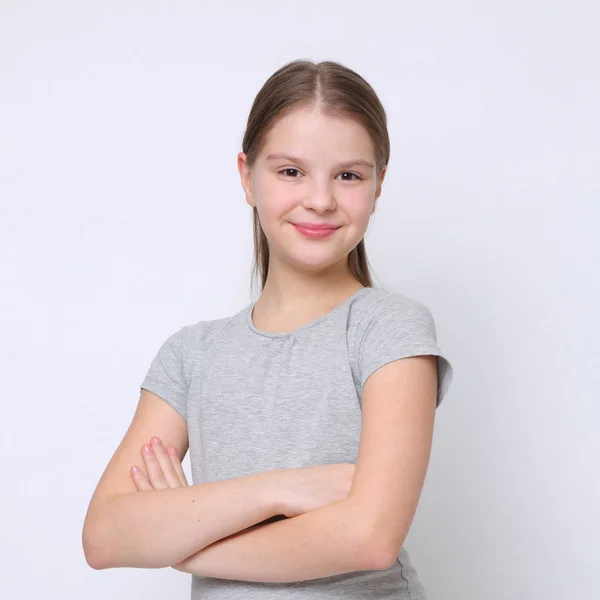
(316, 263)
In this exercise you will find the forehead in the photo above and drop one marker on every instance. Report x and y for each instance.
(308, 131)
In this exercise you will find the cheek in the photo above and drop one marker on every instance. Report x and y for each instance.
(275, 200)
(358, 205)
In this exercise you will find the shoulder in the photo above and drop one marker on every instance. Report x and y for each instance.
(201, 334)
(193, 336)
(182, 352)
(392, 326)
(389, 307)
(382, 319)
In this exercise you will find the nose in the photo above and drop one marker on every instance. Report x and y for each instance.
(320, 196)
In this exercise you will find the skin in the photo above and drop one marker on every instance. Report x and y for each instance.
(307, 278)
(162, 465)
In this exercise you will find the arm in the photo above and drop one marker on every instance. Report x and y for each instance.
(328, 541)
(398, 415)
(157, 528)
(152, 529)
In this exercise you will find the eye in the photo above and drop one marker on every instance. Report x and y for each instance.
(293, 173)
(350, 173)
(286, 171)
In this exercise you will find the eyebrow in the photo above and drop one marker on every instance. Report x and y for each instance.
(343, 165)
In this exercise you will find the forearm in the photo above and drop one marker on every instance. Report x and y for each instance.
(158, 528)
(328, 541)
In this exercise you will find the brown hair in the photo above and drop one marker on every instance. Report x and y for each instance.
(339, 91)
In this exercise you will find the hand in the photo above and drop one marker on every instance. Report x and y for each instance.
(162, 465)
(308, 488)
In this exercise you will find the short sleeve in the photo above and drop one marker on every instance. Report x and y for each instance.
(165, 376)
(399, 327)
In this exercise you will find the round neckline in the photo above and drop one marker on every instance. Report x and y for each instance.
(271, 334)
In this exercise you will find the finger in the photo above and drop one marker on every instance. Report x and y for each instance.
(166, 464)
(155, 474)
(172, 452)
(174, 455)
(141, 483)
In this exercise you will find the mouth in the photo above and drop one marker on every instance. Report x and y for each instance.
(315, 231)
(317, 226)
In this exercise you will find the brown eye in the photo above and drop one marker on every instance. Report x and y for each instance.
(357, 177)
(287, 171)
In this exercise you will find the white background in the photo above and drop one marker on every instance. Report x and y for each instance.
(122, 219)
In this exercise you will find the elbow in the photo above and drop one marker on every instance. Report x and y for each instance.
(378, 553)
(95, 544)
(372, 550)
(378, 559)
(105, 548)
(368, 553)
(92, 549)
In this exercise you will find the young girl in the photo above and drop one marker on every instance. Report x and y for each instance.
(308, 414)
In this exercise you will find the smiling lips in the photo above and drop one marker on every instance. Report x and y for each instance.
(315, 230)
(316, 225)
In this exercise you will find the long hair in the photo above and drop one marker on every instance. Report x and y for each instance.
(338, 91)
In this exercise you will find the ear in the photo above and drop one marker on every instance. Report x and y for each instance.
(379, 186)
(244, 170)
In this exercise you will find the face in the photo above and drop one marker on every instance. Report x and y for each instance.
(313, 169)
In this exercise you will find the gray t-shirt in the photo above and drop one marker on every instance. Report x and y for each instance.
(256, 401)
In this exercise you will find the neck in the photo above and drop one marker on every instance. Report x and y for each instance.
(292, 293)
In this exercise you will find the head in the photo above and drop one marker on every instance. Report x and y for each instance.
(315, 150)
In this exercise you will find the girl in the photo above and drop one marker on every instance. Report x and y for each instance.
(308, 414)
